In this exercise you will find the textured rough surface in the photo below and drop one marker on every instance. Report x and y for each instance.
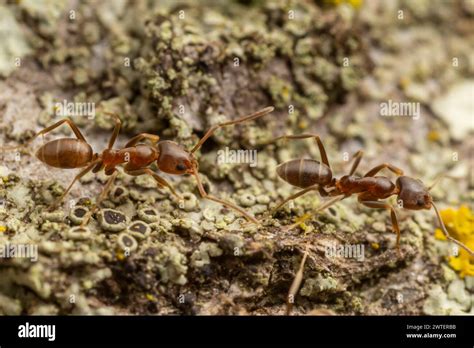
(177, 68)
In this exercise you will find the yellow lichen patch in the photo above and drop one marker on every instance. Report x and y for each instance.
(375, 246)
(353, 3)
(301, 221)
(3, 228)
(150, 297)
(303, 124)
(304, 227)
(404, 82)
(120, 255)
(460, 225)
(440, 235)
(285, 93)
(433, 136)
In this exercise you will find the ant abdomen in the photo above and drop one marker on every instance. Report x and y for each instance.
(66, 153)
(305, 172)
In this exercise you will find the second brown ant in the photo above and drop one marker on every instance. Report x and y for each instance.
(312, 175)
(135, 156)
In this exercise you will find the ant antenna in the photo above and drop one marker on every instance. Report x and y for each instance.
(439, 177)
(250, 117)
(227, 204)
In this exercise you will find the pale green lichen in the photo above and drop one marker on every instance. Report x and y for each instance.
(438, 303)
(32, 279)
(9, 306)
(313, 287)
(172, 265)
(79, 233)
(203, 255)
(112, 220)
(139, 229)
(13, 43)
(127, 242)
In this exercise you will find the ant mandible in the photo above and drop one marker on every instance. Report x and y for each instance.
(170, 157)
(312, 175)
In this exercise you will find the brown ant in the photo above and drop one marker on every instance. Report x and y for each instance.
(170, 157)
(311, 175)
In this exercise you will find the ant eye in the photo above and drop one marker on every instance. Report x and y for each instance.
(180, 167)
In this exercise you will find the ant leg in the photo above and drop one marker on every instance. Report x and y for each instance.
(323, 206)
(70, 123)
(77, 177)
(294, 196)
(323, 192)
(98, 167)
(322, 150)
(161, 182)
(356, 158)
(378, 168)
(205, 195)
(101, 197)
(142, 136)
(250, 117)
(115, 133)
(393, 214)
(295, 285)
(446, 233)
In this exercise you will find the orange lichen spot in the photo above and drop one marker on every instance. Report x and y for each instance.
(460, 224)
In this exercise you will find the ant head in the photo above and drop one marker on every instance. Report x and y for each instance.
(413, 194)
(173, 159)
(420, 200)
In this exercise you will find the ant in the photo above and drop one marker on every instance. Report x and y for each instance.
(312, 175)
(136, 156)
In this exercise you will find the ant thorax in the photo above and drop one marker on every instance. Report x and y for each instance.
(379, 186)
